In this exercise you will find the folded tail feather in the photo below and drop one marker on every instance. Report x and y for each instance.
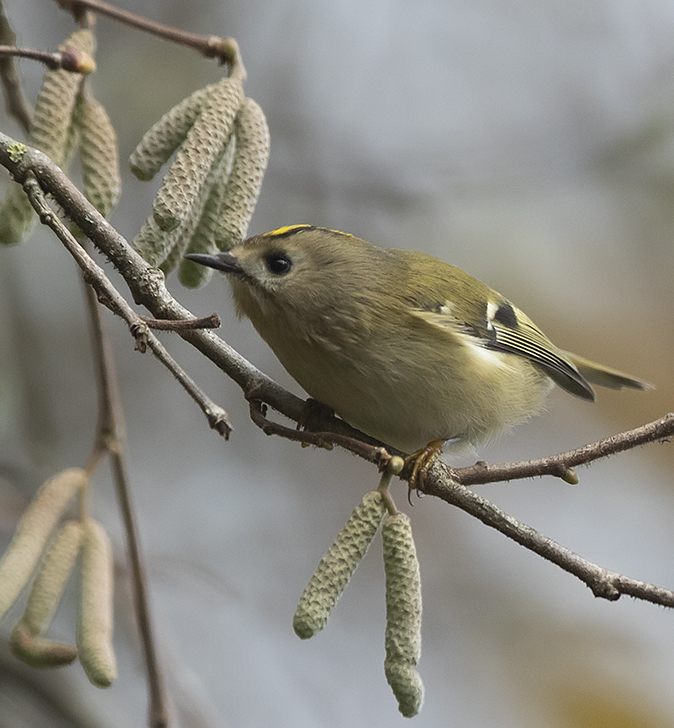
(605, 376)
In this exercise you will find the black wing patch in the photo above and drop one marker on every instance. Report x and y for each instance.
(505, 314)
(527, 341)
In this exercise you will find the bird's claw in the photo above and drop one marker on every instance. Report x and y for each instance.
(421, 461)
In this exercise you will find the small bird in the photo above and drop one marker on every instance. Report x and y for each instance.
(404, 347)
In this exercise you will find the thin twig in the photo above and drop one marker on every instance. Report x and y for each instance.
(148, 289)
(108, 294)
(559, 465)
(15, 100)
(226, 50)
(218, 419)
(68, 60)
(375, 454)
(112, 435)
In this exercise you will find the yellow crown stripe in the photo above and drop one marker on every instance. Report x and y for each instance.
(285, 229)
(288, 229)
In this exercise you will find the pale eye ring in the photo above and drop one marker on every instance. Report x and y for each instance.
(278, 263)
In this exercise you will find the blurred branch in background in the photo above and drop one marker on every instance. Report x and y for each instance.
(15, 101)
(111, 439)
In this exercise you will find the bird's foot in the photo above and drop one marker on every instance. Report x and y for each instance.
(420, 461)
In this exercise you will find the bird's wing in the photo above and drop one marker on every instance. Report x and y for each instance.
(502, 327)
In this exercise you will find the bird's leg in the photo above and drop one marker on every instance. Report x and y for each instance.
(420, 461)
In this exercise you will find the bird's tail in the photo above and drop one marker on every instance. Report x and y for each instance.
(605, 376)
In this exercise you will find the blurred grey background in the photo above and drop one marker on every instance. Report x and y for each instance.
(530, 142)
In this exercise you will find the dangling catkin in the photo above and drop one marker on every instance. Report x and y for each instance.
(403, 614)
(16, 215)
(203, 145)
(336, 567)
(190, 274)
(162, 139)
(153, 244)
(45, 595)
(55, 102)
(32, 532)
(165, 248)
(183, 234)
(102, 183)
(245, 180)
(94, 626)
(40, 651)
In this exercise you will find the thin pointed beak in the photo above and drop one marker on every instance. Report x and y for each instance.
(225, 262)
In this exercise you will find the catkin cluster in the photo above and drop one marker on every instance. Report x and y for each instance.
(41, 543)
(67, 118)
(403, 592)
(208, 195)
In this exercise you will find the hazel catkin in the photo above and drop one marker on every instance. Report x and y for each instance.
(337, 565)
(203, 145)
(99, 157)
(245, 179)
(94, 626)
(33, 530)
(27, 641)
(50, 132)
(164, 137)
(403, 614)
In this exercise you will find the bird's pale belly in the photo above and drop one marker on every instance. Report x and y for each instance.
(390, 396)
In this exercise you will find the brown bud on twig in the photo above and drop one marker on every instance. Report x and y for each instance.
(76, 61)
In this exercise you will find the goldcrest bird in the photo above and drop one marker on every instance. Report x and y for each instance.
(404, 347)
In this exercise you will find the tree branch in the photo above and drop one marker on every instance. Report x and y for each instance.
(147, 287)
(226, 50)
(559, 465)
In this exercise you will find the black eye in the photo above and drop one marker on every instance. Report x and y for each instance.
(278, 263)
